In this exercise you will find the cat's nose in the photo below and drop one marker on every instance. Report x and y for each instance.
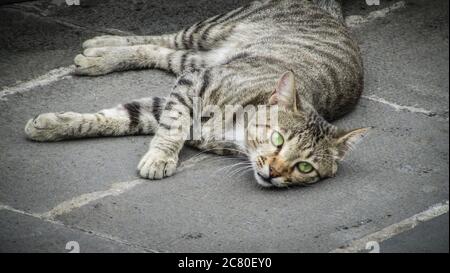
(273, 173)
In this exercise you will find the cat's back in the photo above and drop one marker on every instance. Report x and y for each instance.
(300, 36)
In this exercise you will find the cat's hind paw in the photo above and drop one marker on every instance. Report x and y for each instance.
(97, 61)
(157, 165)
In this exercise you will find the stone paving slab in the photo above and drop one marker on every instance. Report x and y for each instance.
(25, 234)
(30, 47)
(38, 176)
(406, 56)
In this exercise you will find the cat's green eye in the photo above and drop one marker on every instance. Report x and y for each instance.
(305, 167)
(277, 139)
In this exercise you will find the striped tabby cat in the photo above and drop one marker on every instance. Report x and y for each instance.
(295, 56)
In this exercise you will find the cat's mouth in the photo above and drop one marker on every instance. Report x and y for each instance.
(263, 181)
(268, 182)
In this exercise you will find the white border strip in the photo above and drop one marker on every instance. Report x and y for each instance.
(395, 229)
(46, 79)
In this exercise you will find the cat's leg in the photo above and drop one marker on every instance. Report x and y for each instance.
(217, 147)
(165, 40)
(334, 7)
(176, 119)
(202, 35)
(172, 52)
(103, 60)
(137, 117)
(212, 138)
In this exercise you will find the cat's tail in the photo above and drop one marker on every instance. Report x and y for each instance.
(333, 7)
(137, 117)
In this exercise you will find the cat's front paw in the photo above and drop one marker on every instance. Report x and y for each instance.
(157, 165)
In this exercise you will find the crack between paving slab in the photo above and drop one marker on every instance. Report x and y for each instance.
(395, 229)
(115, 190)
(358, 20)
(84, 199)
(43, 80)
(110, 31)
(398, 107)
(74, 228)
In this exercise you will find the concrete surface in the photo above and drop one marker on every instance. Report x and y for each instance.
(88, 191)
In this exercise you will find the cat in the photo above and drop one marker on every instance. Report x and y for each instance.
(296, 58)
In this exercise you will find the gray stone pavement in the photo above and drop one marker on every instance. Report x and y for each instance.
(88, 190)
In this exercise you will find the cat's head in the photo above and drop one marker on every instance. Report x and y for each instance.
(301, 148)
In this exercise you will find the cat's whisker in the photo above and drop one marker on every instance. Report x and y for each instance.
(213, 149)
(233, 173)
(229, 167)
(245, 172)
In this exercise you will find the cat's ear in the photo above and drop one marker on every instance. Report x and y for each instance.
(285, 93)
(346, 140)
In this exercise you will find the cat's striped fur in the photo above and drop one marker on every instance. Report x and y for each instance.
(235, 58)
